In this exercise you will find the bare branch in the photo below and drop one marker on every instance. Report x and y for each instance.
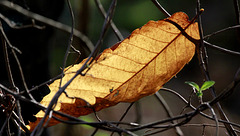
(169, 112)
(113, 26)
(221, 49)
(215, 117)
(38, 128)
(237, 13)
(15, 26)
(203, 60)
(220, 31)
(47, 21)
(129, 128)
(160, 7)
(69, 41)
(18, 62)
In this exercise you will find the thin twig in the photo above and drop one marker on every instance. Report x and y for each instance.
(188, 116)
(100, 125)
(220, 31)
(10, 77)
(38, 128)
(160, 7)
(225, 93)
(15, 26)
(168, 110)
(218, 47)
(6, 122)
(124, 114)
(203, 60)
(8, 67)
(229, 89)
(214, 116)
(113, 26)
(48, 21)
(19, 114)
(17, 60)
(22, 124)
(74, 120)
(94, 132)
(95, 123)
(7, 41)
(237, 13)
(70, 40)
(138, 112)
(221, 49)
(42, 84)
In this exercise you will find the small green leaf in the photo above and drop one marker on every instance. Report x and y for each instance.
(207, 85)
(193, 84)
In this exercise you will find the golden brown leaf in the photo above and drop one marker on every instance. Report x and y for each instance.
(136, 67)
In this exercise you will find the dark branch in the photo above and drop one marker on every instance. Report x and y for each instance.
(47, 21)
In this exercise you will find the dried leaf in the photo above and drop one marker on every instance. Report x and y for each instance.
(136, 67)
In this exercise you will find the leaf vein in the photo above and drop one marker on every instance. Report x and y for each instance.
(116, 68)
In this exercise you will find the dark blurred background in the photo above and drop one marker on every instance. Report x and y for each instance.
(43, 52)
